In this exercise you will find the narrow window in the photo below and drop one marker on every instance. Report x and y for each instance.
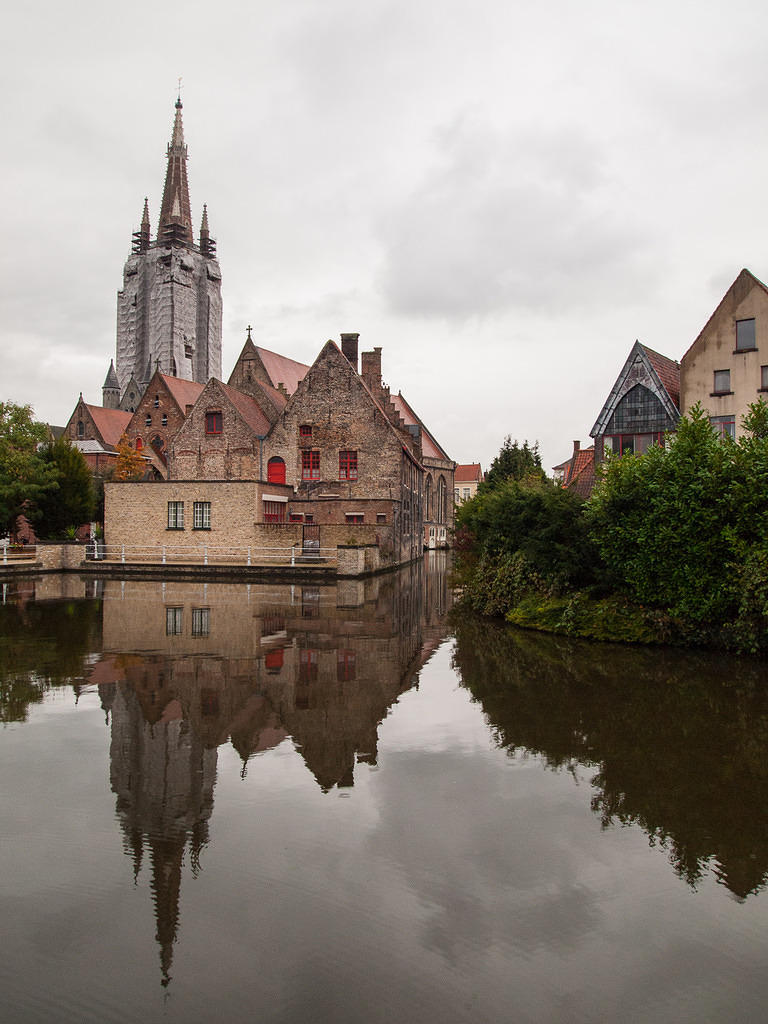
(346, 666)
(165, 420)
(148, 421)
(722, 382)
(764, 378)
(139, 444)
(307, 666)
(201, 515)
(201, 622)
(274, 511)
(156, 403)
(175, 515)
(80, 428)
(745, 334)
(347, 465)
(310, 465)
(173, 621)
(213, 423)
(305, 430)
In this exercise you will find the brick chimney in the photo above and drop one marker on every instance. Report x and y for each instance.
(576, 446)
(349, 348)
(371, 369)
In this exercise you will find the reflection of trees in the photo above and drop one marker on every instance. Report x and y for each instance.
(679, 740)
(43, 644)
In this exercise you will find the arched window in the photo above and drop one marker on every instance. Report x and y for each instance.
(428, 499)
(80, 428)
(139, 444)
(276, 470)
(441, 500)
(157, 443)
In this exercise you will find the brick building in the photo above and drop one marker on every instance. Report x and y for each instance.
(96, 431)
(159, 415)
(467, 479)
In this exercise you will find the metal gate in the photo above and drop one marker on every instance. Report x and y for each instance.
(310, 540)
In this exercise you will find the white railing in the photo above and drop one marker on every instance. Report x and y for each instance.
(15, 552)
(208, 554)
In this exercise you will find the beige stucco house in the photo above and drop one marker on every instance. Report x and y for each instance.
(726, 368)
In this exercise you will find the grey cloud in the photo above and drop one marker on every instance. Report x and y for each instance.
(496, 225)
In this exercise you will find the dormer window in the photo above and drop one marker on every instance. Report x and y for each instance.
(213, 423)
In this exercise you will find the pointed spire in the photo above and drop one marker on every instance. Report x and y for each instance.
(207, 244)
(111, 381)
(175, 223)
(141, 237)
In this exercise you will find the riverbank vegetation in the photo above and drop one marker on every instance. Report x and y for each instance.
(672, 546)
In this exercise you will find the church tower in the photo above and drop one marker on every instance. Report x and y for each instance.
(169, 308)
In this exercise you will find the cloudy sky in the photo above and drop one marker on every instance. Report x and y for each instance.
(504, 196)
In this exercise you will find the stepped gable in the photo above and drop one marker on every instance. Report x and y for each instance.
(429, 446)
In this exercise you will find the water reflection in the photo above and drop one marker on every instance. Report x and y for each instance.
(186, 668)
(678, 742)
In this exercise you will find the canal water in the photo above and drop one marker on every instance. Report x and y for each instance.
(349, 804)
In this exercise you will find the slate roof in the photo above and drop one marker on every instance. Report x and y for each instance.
(281, 369)
(468, 473)
(110, 423)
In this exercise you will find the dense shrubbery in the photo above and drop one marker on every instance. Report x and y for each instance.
(675, 540)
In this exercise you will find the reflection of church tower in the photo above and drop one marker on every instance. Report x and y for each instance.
(169, 310)
(163, 778)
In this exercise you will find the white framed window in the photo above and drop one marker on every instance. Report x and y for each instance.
(201, 515)
(175, 515)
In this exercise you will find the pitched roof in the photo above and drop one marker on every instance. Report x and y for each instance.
(110, 423)
(281, 369)
(248, 408)
(747, 280)
(430, 449)
(183, 392)
(469, 472)
(579, 475)
(668, 372)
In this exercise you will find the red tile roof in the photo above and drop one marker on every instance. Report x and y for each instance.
(469, 473)
(580, 472)
(183, 392)
(248, 408)
(668, 372)
(281, 369)
(110, 423)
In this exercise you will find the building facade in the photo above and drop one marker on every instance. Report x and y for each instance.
(726, 368)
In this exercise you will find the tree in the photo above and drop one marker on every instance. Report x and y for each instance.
(515, 462)
(25, 478)
(73, 502)
(130, 464)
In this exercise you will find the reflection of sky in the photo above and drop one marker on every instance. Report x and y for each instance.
(452, 883)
